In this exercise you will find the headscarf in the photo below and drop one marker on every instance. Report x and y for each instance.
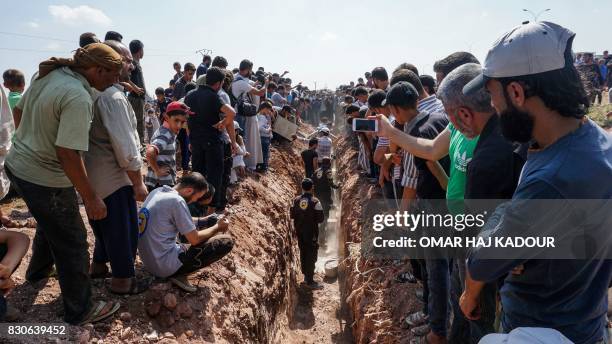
(94, 54)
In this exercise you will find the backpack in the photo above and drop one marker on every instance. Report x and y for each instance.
(244, 105)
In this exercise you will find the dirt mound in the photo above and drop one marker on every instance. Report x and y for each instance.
(377, 303)
(240, 299)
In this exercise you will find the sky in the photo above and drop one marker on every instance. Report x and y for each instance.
(327, 42)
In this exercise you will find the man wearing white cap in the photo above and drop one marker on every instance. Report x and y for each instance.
(539, 98)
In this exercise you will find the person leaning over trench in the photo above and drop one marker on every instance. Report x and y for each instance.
(45, 167)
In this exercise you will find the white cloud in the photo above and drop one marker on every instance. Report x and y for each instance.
(328, 36)
(484, 14)
(79, 15)
(33, 25)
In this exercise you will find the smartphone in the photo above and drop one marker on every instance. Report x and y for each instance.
(362, 124)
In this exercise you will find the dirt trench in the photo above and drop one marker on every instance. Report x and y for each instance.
(251, 296)
(376, 303)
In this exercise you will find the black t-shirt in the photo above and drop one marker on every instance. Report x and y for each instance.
(179, 89)
(308, 155)
(495, 168)
(162, 107)
(206, 105)
(428, 126)
(137, 78)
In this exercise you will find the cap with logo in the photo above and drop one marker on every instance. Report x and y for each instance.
(530, 48)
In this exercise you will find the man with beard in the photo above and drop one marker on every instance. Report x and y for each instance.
(538, 93)
(113, 166)
(46, 168)
(164, 215)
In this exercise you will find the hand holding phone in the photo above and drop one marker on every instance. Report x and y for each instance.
(365, 125)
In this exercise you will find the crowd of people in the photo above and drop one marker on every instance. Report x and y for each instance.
(596, 75)
(85, 129)
(513, 128)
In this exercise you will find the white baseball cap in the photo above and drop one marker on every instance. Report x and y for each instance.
(527, 49)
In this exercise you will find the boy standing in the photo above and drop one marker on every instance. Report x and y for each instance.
(161, 152)
(310, 157)
(14, 81)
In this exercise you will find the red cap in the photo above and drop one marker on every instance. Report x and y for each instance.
(180, 107)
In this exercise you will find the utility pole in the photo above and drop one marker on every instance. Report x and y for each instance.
(536, 16)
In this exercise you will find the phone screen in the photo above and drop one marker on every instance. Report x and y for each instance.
(361, 124)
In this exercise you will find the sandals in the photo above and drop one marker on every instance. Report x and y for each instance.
(182, 283)
(419, 340)
(137, 286)
(416, 319)
(406, 277)
(96, 314)
(420, 331)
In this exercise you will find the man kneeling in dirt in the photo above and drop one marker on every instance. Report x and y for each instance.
(307, 213)
(163, 216)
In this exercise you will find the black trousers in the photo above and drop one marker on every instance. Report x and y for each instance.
(309, 247)
(208, 159)
(60, 239)
(204, 254)
(117, 234)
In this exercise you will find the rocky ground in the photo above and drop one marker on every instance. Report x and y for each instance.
(244, 298)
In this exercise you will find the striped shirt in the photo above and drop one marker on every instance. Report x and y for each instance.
(324, 147)
(165, 142)
(411, 173)
(431, 104)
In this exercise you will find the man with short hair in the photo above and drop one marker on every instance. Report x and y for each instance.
(277, 97)
(113, 166)
(219, 61)
(307, 213)
(205, 130)
(380, 78)
(424, 180)
(539, 97)
(113, 36)
(179, 86)
(243, 89)
(310, 157)
(203, 67)
(137, 96)
(45, 167)
(87, 38)
(429, 83)
(452, 61)
(163, 216)
(361, 96)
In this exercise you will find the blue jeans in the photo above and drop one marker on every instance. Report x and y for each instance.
(438, 279)
(265, 149)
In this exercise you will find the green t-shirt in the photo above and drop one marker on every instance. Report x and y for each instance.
(460, 153)
(57, 111)
(13, 99)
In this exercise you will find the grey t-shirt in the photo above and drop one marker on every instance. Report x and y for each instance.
(163, 215)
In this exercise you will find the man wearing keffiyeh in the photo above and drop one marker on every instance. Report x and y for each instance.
(45, 167)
